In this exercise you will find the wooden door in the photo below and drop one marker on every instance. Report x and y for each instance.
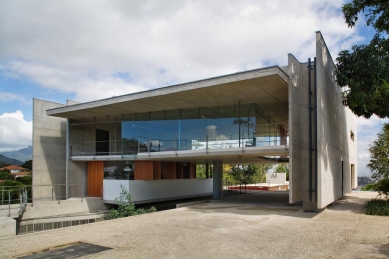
(95, 178)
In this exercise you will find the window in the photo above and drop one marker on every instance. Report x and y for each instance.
(352, 135)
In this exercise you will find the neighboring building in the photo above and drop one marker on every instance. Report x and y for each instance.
(21, 174)
(13, 169)
(151, 141)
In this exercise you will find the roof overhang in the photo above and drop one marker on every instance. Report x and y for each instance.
(268, 87)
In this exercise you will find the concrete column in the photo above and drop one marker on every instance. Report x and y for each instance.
(217, 180)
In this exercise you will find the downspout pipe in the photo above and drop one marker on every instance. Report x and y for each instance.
(315, 132)
(310, 131)
(67, 157)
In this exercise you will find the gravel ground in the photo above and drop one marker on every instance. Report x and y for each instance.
(227, 229)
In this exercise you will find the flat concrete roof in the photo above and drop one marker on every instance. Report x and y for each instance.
(268, 87)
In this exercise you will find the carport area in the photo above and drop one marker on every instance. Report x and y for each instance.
(230, 228)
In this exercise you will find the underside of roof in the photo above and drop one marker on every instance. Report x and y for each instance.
(268, 87)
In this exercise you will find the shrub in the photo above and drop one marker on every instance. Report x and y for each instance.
(378, 207)
(382, 187)
(126, 206)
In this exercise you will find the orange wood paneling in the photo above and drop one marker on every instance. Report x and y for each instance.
(169, 170)
(157, 170)
(143, 170)
(179, 171)
(95, 178)
(192, 170)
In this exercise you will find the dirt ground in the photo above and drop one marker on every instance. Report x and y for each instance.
(243, 226)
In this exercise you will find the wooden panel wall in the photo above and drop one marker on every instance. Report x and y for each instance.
(157, 170)
(95, 178)
(192, 170)
(143, 170)
(179, 171)
(169, 170)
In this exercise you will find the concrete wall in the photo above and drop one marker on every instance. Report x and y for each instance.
(334, 125)
(83, 138)
(49, 150)
(7, 227)
(298, 129)
(44, 209)
(334, 140)
(276, 178)
(157, 190)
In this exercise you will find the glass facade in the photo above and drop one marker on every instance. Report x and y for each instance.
(241, 125)
(231, 126)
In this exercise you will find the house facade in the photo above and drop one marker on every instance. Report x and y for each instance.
(150, 142)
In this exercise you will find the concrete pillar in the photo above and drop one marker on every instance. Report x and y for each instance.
(217, 180)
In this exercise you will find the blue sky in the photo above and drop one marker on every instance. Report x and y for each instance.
(87, 50)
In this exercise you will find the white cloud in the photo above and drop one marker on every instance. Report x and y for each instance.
(10, 97)
(155, 43)
(15, 132)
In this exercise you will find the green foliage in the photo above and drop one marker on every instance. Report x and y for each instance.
(6, 175)
(364, 71)
(126, 206)
(378, 207)
(382, 187)
(14, 187)
(200, 171)
(368, 187)
(247, 174)
(27, 164)
(26, 180)
(379, 155)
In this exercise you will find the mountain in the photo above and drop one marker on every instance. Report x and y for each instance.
(23, 154)
(7, 160)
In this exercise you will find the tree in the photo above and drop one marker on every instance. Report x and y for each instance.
(126, 206)
(379, 155)
(364, 71)
(247, 174)
(27, 164)
(6, 175)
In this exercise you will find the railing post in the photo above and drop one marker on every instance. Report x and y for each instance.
(9, 203)
(20, 202)
(148, 147)
(206, 143)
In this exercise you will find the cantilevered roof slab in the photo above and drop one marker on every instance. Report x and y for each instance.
(268, 87)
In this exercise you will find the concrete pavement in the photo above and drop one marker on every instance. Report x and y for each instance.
(245, 226)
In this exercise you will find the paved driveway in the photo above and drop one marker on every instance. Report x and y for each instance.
(245, 226)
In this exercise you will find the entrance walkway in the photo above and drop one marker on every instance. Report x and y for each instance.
(227, 229)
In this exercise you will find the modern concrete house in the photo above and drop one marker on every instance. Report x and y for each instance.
(151, 141)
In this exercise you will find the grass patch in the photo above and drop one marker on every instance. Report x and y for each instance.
(378, 207)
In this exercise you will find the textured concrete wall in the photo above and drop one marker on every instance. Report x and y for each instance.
(7, 227)
(298, 129)
(83, 138)
(53, 208)
(334, 140)
(49, 150)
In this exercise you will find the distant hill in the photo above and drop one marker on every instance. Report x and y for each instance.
(23, 154)
(7, 160)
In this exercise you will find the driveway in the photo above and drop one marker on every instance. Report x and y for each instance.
(244, 226)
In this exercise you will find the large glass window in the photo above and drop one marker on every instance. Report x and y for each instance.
(189, 129)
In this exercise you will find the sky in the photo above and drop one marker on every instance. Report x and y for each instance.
(88, 50)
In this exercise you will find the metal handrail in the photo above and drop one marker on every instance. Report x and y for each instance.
(23, 198)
